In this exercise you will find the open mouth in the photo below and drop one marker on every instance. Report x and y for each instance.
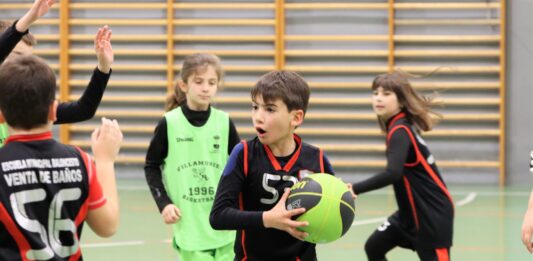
(260, 131)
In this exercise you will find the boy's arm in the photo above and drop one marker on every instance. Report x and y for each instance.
(156, 154)
(225, 213)
(85, 108)
(106, 142)
(10, 38)
(397, 152)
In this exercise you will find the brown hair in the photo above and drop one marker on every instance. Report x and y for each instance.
(287, 86)
(416, 107)
(28, 38)
(193, 64)
(27, 89)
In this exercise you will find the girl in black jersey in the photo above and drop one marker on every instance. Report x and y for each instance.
(424, 219)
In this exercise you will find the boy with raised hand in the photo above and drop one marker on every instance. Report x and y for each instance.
(255, 184)
(48, 189)
(11, 46)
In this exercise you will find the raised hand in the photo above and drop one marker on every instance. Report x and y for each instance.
(103, 49)
(106, 141)
(280, 218)
(38, 9)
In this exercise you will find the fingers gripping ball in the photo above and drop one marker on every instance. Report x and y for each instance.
(329, 206)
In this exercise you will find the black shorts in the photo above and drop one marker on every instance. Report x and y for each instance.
(390, 235)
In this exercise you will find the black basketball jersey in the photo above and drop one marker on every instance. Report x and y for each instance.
(253, 182)
(425, 206)
(46, 190)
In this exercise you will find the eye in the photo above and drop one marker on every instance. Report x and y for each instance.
(271, 109)
(254, 107)
(375, 93)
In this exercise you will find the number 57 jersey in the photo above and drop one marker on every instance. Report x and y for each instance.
(46, 190)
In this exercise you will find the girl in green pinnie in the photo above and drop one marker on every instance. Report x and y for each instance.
(186, 157)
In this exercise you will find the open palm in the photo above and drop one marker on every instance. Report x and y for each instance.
(103, 48)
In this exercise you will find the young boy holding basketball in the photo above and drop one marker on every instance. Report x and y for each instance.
(255, 183)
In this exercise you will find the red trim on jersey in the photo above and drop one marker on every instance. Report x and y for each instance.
(437, 180)
(29, 137)
(421, 159)
(245, 145)
(13, 230)
(397, 117)
(298, 258)
(442, 254)
(411, 200)
(291, 162)
(82, 214)
(90, 167)
(321, 160)
(389, 135)
(243, 235)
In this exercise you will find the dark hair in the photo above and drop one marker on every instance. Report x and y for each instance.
(416, 107)
(287, 86)
(28, 38)
(27, 89)
(193, 64)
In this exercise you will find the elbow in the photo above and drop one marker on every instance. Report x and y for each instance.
(213, 221)
(108, 232)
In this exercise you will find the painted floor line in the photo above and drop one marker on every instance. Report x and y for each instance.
(113, 244)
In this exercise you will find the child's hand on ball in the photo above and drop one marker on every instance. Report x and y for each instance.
(350, 188)
(280, 218)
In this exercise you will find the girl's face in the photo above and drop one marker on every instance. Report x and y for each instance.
(385, 103)
(200, 88)
(274, 123)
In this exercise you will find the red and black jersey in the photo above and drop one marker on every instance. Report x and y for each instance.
(253, 182)
(425, 206)
(46, 190)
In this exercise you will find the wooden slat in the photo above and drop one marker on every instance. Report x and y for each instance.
(225, 6)
(162, 68)
(426, 22)
(323, 116)
(447, 38)
(323, 132)
(123, 83)
(440, 6)
(337, 69)
(118, 6)
(162, 52)
(336, 53)
(162, 38)
(337, 38)
(329, 6)
(118, 22)
(452, 69)
(366, 85)
(447, 53)
(312, 101)
(220, 22)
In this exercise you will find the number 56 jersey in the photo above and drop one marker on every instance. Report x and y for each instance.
(46, 190)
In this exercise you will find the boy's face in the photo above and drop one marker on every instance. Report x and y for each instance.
(20, 49)
(201, 88)
(273, 122)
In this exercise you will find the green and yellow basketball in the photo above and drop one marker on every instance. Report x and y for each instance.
(330, 209)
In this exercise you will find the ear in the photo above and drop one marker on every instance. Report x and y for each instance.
(52, 111)
(2, 118)
(183, 86)
(297, 118)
